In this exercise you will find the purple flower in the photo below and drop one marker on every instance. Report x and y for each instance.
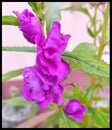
(49, 58)
(40, 88)
(43, 82)
(74, 109)
(53, 64)
(56, 40)
(30, 27)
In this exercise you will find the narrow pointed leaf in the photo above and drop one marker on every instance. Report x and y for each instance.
(88, 94)
(19, 49)
(78, 8)
(65, 122)
(11, 74)
(98, 117)
(10, 20)
(16, 101)
(88, 64)
(90, 32)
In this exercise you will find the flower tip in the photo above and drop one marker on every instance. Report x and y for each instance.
(14, 12)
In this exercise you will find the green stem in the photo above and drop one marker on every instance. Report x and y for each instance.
(103, 37)
(94, 22)
(42, 16)
(65, 119)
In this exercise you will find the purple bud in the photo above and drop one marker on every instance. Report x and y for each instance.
(30, 26)
(74, 109)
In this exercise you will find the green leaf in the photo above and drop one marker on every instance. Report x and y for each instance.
(34, 5)
(103, 81)
(90, 32)
(88, 64)
(52, 120)
(105, 112)
(51, 13)
(98, 98)
(19, 49)
(65, 122)
(10, 20)
(78, 8)
(88, 94)
(98, 117)
(16, 101)
(11, 74)
(68, 95)
(85, 49)
(77, 93)
(34, 111)
(38, 9)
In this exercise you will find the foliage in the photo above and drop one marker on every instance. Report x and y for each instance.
(16, 101)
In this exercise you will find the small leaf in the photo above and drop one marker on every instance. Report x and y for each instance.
(90, 32)
(85, 49)
(98, 117)
(16, 101)
(11, 74)
(19, 49)
(88, 64)
(65, 122)
(10, 20)
(88, 94)
(78, 8)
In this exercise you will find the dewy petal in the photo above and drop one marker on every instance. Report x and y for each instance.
(30, 27)
(55, 39)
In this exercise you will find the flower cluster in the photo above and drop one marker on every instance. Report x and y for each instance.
(43, 81)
